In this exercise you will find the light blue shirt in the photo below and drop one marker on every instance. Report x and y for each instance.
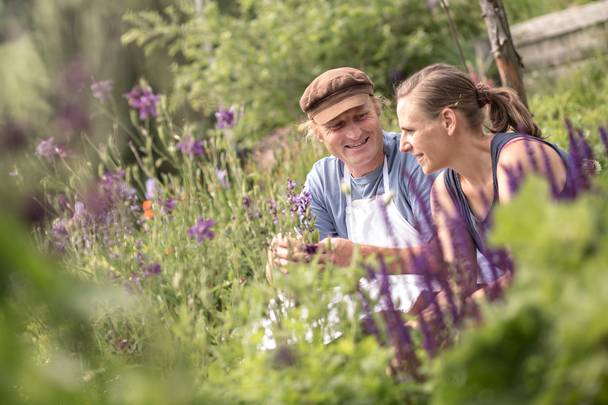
(411, 186)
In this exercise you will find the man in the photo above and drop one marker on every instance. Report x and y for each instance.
(366, 195)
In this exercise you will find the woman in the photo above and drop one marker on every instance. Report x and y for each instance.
(441, 116)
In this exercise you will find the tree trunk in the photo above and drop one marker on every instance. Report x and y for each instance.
(508, 61)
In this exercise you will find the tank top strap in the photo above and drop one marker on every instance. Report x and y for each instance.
(452, 184)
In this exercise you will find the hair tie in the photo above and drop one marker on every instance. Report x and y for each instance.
(483, 94)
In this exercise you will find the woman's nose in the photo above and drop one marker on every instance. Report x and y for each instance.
(404, 145)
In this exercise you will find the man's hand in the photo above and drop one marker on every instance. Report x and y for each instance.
(338, 251)
(282, 251)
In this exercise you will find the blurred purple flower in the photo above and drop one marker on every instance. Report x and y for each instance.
(202, 230)
(222, 176)
(150, 189)
(49, 150)
(191, 146)
(274, 210)
(59, 234)
(143, 100)
(226, 118)
(247, 202)
(102, 90)
(291, 185)
(169, 205)
(72, 117)
(604, 138)
(152, 269)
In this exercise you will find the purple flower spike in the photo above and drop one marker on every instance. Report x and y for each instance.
(226, 118)
(191, 146)
(150, 189)
(222, 176)
(530, 154)
(604, 139)
(291, 185)
(143, 100)
(169, 205)
(152, 269)
(102, 90)
(202, 230)
(49, 150)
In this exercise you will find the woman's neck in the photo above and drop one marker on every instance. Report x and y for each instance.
(473, 160)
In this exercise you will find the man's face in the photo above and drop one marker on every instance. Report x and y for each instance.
(355, 137)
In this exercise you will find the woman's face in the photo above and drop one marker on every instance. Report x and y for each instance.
(426, 138)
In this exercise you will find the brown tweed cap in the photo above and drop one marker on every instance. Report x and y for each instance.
(335, 91)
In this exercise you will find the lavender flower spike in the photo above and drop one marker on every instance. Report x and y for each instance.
(143, 100)
(191, 146)
(226, 118)
(49, 150)
(202, 230)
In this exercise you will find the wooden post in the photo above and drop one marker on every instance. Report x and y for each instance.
(508, 61)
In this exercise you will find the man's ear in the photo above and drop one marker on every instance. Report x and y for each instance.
(449, 119)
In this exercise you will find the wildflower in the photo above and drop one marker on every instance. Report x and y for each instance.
(49, 150)
(191, 146)
(152, 269)
(143, 100)
(102, 89)
(148, 212)
(222, 176)
(291, 185)
(60, 235)
(604, 138)
(202, 230)
(226, 118)
(150, 188)
(169, 205)
(274, 210)
(247, 202)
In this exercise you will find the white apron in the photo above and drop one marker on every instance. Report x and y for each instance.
(365, 224)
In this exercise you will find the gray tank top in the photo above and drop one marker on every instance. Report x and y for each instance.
(452, 183)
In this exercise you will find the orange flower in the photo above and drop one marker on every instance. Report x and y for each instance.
(148, 212)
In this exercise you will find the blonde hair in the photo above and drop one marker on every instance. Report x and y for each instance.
(438, 86)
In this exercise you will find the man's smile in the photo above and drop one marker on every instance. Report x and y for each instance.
(357, 145)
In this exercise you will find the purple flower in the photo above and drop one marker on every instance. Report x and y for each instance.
(60, 235)
(202, 230)
(274, 210)
(152, 269)
(226, 118)
(150, 188)
(49, 150)
(247, 202)
(102, 89)
(604, 138)
(191, 146)
(291, 185)
(169, 205)
(143, 100)
(222, 176)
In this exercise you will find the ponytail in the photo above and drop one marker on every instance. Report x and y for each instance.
(507, 112)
